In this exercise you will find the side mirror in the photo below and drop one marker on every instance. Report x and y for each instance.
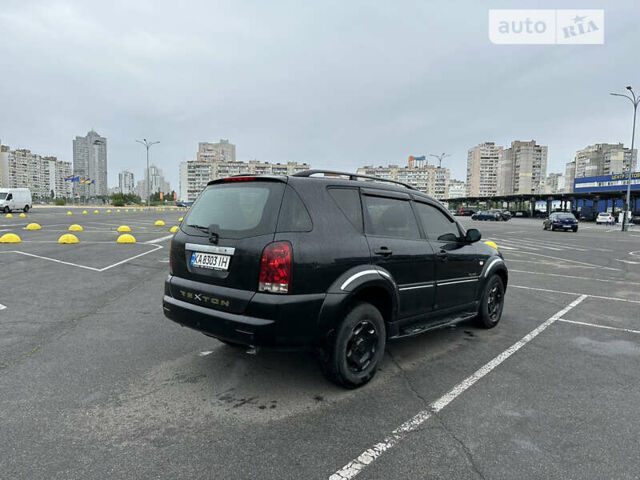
(473, 235)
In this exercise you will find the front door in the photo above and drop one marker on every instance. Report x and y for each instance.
(395, 244)
(457, 262)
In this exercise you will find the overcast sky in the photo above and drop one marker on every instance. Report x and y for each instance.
(333, 83)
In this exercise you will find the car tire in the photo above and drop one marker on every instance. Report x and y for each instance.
(575, 229)
(25, 209)
(6, 210)
(491, 303)
(354, 349)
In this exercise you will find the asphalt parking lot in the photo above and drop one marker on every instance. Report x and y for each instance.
(95, 383)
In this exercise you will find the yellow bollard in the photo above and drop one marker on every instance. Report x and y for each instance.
(33, 226)
(75, 228)
(10, 238)
(124, 228)
(159, 223)
(126, 238)
(173, 229)
(68, 238)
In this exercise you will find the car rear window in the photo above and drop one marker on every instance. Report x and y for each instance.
(237, 210)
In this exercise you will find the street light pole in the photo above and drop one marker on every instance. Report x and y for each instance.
(634, 100)
(148, 146)
(440, 157)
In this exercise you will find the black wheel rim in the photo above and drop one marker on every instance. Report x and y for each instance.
(361, 346)
(494, 302)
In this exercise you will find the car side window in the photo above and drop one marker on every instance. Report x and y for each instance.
(10, 196)
(293, 214)
(436, 224)
(348, 200)
(389, 217)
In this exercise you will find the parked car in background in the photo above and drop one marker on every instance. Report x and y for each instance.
(466, 211)
(492, 215)
(520, 213)
(560, 221)
(635, 217)
(606, 218)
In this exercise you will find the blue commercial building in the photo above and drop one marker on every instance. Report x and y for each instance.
(613, 187)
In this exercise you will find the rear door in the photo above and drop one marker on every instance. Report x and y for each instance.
(457, 262)
(395, 243)
(223, 235)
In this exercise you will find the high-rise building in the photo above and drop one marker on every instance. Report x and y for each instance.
(157, 183)
(126, 183)
(569, 176)
(555, 183)
(90, 163)
(44, 176)
(604, 159)
(183, 182)
(523, 169)
(482, 169)
(223, 151)
(194, 175)
(429, 179)
(457, 189)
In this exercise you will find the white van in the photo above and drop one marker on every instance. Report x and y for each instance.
(15, 199)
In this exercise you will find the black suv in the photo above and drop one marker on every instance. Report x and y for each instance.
(340, 263)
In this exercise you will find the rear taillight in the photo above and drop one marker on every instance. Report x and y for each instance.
(275, 268)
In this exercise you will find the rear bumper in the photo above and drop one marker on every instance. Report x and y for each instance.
(269, 320)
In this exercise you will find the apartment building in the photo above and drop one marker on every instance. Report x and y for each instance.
(194, 175)
(90, 162)
(482, 169)
(604, 159)
(429, 179)
(523, 169)
(44, 176)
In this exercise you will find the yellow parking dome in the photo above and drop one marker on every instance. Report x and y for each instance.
(126, 210)
(22, 215)
(10, 238)
(159, 223)
(84, 212)
(180, 219)
(118, 211)
(109, 210)
(69, 213)
(96, 211)
(68, 238)
(491, 244)
(75, 228)
(33, 226)
(126, 238)
(124, 228)
(174, 229)
(9, 215)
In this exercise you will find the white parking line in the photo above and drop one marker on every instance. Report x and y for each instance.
(615, 299)
(161, 239)
(366, 458)
(576, 277)
(2, 307)
(628, 330)
(572, 261)
(86, 267)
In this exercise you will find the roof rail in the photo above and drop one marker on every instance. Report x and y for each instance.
(352, 176)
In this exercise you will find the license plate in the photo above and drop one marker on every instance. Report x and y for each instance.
(210, 260)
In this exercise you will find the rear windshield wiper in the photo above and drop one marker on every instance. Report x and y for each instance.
(199, 227)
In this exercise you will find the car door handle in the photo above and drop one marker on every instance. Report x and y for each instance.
(384, 251)
(442, 254)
